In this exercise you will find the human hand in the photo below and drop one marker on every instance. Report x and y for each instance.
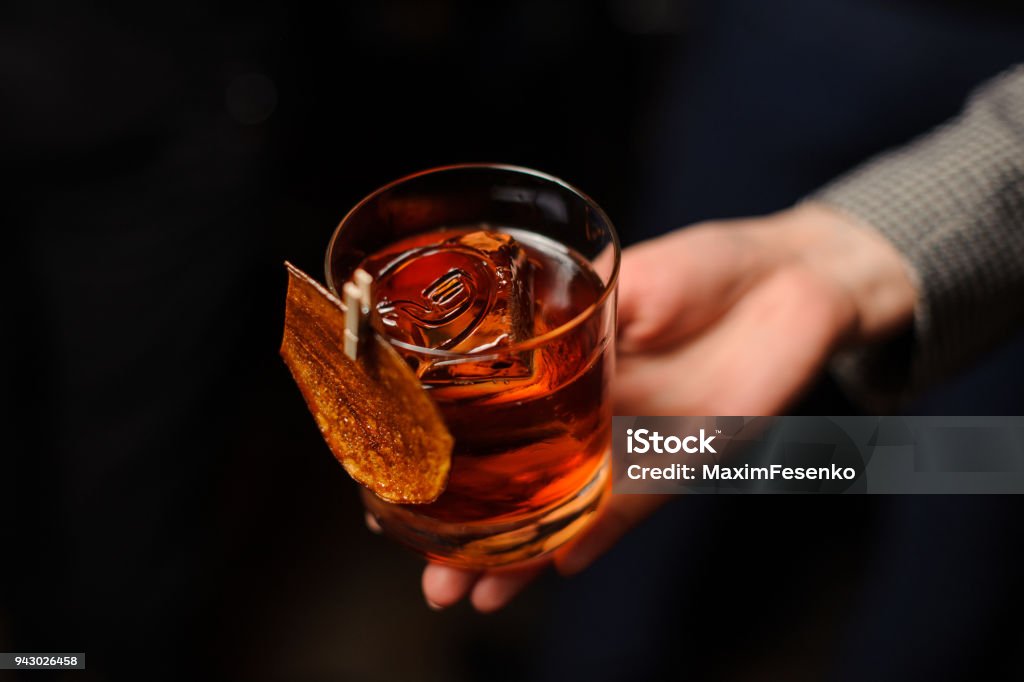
(732, 317)
(738, 317)
(491, 589)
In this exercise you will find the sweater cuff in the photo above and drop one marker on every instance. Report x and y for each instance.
(952, 203)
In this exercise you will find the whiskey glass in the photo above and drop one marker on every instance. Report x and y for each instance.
(522, 379)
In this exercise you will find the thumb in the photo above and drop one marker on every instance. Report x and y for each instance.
(655, 299)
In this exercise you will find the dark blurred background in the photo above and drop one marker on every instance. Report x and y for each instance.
(168, 504)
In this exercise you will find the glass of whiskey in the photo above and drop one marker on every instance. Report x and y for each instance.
(496, 284)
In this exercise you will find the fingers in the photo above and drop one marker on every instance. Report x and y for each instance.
(622, 513)
(673, 286)
(495, 589)
(754, 360)
(372, 524)
(491, 590)
(647, 294)
(444, 586)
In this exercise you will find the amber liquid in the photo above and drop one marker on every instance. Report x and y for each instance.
(531, 427)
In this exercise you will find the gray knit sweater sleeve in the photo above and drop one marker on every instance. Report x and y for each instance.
(952, 202)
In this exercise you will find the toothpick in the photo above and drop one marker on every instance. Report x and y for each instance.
(363, 280)
(353, 319)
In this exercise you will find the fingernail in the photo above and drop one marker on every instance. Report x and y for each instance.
(434, 606)
(371, 523)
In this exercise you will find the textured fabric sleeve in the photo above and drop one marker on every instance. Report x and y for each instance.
(952, 202)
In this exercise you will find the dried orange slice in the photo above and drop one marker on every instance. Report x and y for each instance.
(376, 418)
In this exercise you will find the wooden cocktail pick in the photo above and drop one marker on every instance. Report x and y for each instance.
(376, 418)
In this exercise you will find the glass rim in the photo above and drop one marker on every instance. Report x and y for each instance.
(530, 343)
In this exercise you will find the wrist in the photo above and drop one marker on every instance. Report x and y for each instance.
(857, 262)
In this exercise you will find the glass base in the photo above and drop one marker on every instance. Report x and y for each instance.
(483, 544)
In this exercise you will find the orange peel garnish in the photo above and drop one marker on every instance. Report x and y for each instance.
(376, 418)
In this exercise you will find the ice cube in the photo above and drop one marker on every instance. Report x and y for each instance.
(471, 293)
